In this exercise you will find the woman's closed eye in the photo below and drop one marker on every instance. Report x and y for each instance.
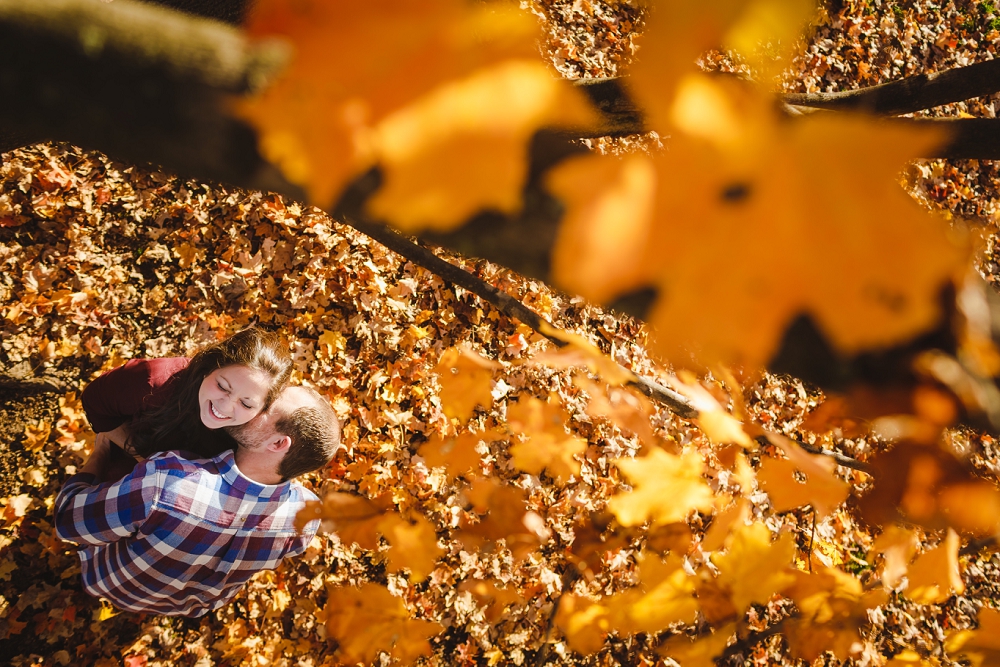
(225, 389)
(244, 404)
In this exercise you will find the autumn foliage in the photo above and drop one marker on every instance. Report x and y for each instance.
(502, 499)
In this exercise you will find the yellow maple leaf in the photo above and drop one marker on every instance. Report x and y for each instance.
(36, 435)
(910, 658)
(666, 488)
(722, 524)
(369, 619)
(980, 646)
(464, 147)
(753, 567)
(665, 595)
(584, 623)
(897, 546)
(701, 652)
(412, 545)
(832, 608)
(819, 195)
(718, 424)
(679, 31)
(548, 446)
(465, 378)
(936, 575)
(403, 62)
(822, 488)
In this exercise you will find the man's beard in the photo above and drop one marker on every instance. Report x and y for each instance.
(245, 436)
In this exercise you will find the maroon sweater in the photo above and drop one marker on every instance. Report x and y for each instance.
(122, 393)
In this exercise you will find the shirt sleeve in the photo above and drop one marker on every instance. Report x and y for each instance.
(117, 396)
(301, 542)
(90, 513)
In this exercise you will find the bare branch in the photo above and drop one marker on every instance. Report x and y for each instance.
(923, 91)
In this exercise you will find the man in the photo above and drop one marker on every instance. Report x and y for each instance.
(181, 536)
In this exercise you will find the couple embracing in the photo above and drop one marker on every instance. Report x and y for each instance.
(188, 491)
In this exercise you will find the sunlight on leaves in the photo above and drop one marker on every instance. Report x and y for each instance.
(369, 619)
(753, 567)
(936, 575)
(548, 446)
(666, 488)
(465, 378)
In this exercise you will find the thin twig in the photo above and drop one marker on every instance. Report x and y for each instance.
(812, 538)
(543, 652)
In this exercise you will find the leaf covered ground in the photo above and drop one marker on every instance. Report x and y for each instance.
(101, 262)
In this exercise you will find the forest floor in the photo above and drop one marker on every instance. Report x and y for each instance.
(101, 262)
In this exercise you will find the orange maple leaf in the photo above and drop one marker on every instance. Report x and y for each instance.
(368, 620)
(579, 351)
(495, 598)
(897, 546)
(750, 187)
(465, 378)
(584, 623)
(936, 575)
(353, 518)
(456, 454)
(548, 446)
(412, 545)
(679, 32)
(822, 488)
(505, 518)
(415, 86)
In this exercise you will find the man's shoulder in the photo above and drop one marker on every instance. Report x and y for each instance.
(180, 467)
(300, 494)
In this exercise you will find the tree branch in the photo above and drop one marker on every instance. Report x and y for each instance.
(914, 93)
(499, 299)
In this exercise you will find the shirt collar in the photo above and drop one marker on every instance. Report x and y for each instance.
(243, 484)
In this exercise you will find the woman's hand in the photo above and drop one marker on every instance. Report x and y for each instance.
(99, 458)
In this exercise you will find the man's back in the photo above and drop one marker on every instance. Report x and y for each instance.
(179, 536)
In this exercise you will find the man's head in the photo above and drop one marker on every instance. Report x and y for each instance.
(299, 433)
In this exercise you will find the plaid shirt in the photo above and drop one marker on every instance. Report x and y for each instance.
(177, 536)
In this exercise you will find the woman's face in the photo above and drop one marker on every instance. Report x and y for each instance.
(232, 396)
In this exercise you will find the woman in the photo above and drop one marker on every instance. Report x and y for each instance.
(154, 405)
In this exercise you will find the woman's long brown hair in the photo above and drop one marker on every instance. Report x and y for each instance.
(177, 423)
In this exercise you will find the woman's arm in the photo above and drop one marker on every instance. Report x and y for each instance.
(117, 396)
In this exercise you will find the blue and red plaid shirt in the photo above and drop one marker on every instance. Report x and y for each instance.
(179, 536)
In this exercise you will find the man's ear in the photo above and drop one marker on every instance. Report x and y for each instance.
(280, 444)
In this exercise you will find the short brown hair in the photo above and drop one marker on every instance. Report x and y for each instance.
(315, 433)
